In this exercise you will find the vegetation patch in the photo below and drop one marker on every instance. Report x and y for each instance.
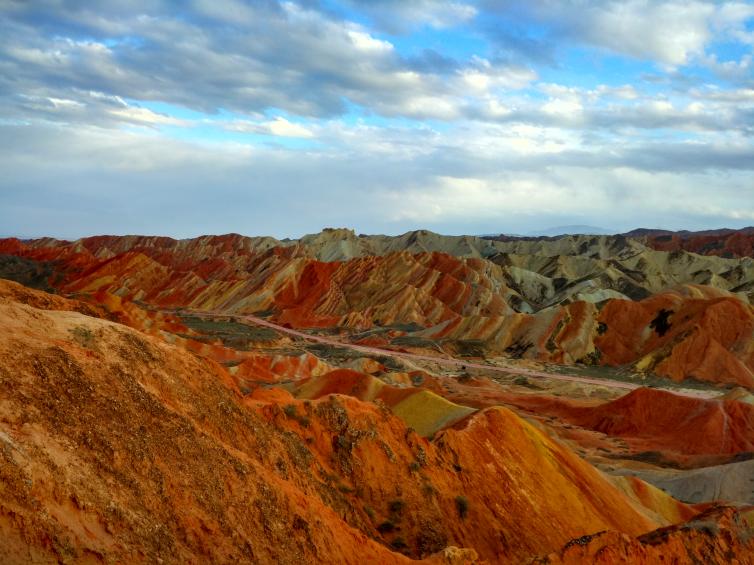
(83, 336)
(396, 506)
(470, 347)
(291, 412)
(34, 274)
(409, 327)
(518, 349)
(333, 353)
(230, 333)
(592, 358)
(523, 381)
(399, 544)
(386, 527)
(653, 457)
(462, 505)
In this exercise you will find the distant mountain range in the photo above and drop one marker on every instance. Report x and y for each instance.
(571, 230)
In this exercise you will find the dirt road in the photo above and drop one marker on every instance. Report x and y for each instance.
(449, 361)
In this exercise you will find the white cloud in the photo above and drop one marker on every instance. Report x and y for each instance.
(365, 42)
(474, 180)
(398, 16)
(278, 127)
(64, 103)
(670, 32)
(612, 197)
(565, 108)
(437, 138)
(625, 92)
(145, 116)
(482, 77)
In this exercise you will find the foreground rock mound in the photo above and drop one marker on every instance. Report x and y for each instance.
(115, 446)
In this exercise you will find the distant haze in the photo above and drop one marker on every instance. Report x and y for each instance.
(562, 230)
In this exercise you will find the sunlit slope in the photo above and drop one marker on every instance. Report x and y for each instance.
(117, 446)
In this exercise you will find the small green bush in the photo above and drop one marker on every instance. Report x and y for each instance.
(83, 336)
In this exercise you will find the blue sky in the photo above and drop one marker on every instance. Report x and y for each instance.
(281, 118)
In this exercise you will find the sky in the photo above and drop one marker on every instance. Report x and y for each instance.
(463, 117)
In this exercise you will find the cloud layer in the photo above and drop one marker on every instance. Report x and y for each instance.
(282, 118)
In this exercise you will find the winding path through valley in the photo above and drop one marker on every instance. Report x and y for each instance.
(444, 360)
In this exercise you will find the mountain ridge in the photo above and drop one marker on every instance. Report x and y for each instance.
(548, 300)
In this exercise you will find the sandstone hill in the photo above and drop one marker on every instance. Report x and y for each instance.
(717, 536)
(732, 483)
(724, 242)
(116, 446)
(600, 300)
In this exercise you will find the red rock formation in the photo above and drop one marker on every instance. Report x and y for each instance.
(656, 420)
(693, 332)
(116, 446)
(709, 338)
(653, 423)
(720, 536)
(725, 243)
(257, 367)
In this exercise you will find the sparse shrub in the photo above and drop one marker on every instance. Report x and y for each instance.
(414, 466)
(421, 456)
(398, 544)
(462, 505)
(369, 512)
(386, 527)
(431, 538)
(428, 489)
(470, 348)
(592, 358)
(341, 442)
(83, 336)
(292, 413)
(396, 506)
